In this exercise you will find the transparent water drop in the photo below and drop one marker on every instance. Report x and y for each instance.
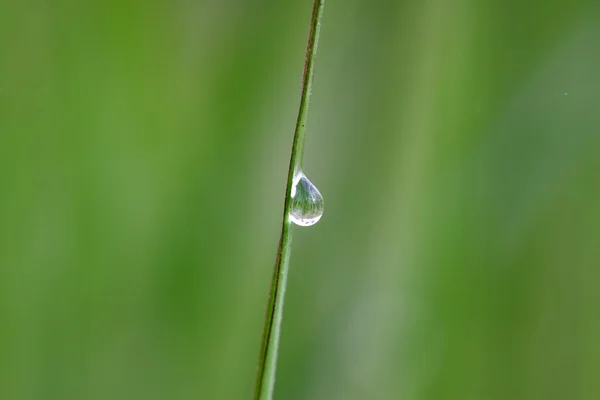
(307, 202)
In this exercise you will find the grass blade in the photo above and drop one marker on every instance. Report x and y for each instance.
(265, 381)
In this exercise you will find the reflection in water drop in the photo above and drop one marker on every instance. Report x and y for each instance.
(307, 202)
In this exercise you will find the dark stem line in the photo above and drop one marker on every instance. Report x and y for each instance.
(265, 380)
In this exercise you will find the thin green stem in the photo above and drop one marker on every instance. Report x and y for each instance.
(265, 381)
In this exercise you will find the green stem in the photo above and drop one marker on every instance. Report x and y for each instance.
(265, 380)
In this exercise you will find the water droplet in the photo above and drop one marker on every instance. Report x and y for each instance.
(307, 202)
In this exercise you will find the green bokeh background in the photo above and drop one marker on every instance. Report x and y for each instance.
(143, 156)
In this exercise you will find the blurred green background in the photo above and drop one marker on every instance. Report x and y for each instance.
(144, 149)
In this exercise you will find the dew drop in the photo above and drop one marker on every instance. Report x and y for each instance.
(307, 202)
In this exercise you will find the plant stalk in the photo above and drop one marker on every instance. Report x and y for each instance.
(265, 381)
